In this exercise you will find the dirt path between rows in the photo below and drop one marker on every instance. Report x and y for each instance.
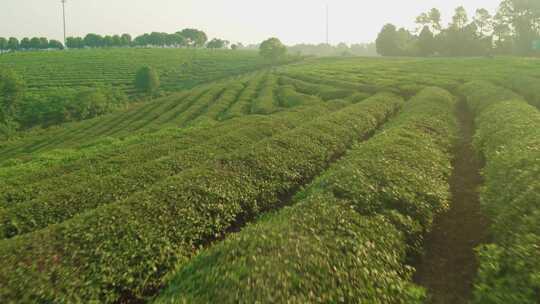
(448, 266)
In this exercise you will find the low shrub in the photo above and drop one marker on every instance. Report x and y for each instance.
(346, 239)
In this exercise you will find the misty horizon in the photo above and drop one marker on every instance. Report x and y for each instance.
(236, 21)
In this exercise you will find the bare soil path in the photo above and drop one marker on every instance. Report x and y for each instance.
(448, 266)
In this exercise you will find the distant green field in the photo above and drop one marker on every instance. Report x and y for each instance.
(332, 172)
(178, 68)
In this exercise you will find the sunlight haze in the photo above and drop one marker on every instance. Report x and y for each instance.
(300, 21)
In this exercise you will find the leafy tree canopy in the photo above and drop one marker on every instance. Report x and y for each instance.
(273, 49)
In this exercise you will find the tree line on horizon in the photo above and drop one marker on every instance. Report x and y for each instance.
(186, 38)
(513, 30)
(329, 50)
(36, 43)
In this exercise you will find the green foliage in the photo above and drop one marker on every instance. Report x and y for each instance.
(55, 44)
(387, 41)
(134, 241)
(426, 42)
(13, 44)
(217, 44)
(431, 19)
(289, 97)
(347, 237)
(105, 208)
(3, 44)
(513, 30)
(194, 37)
(325, 92)
(482, 94)
(147, 80)
(178, 69)
(243, 104)
(508, 137)
(60, 105)
(272, 49)
(88, 104)
(526, 86)
(11, 91)
(56, 79)
(266, 103)
(33, 205)
(317, 252)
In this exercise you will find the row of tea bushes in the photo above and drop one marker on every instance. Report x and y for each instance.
(123, 249)
(347, 238)
(508, 138)
(57, 199)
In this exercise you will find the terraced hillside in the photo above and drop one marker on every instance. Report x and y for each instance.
(324, 181)
(178, 68)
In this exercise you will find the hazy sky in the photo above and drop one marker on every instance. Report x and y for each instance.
(248, 21)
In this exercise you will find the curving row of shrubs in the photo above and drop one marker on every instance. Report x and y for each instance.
(111, 179)
(266, 102)
(527, 86)
(347, 238)
(124, 249)
(242, 105)
(152, 117)
(107, 157)
(508, 138)
(325, 92)
(289, 97)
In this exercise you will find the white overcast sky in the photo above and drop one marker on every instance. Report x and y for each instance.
(248, 21)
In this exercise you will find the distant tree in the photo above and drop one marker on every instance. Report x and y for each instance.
(3, 45)
(343, 49)
(217, 44)
(35, 43)
(176, 40)
(432, 19)
(55, 44)
(387, 41)
(503, 34)
(88, 104)
(237, 46)
(147, 80)
(107, 41)
(13, 44)
(483, 21)
(194, 37)
(460, 18)
(463, 42)
(272, 49)
(93, 40)
(126, 39)
(460, 38)
(142, 40)
(116, 41)
(25, 44)
(11, 92)
(523, 18)
(43, 43)
(426, 42)
(157, 39)
(407, 43)
(74, 42)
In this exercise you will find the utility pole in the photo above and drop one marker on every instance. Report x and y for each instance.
(327, 25)
(64, 14)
